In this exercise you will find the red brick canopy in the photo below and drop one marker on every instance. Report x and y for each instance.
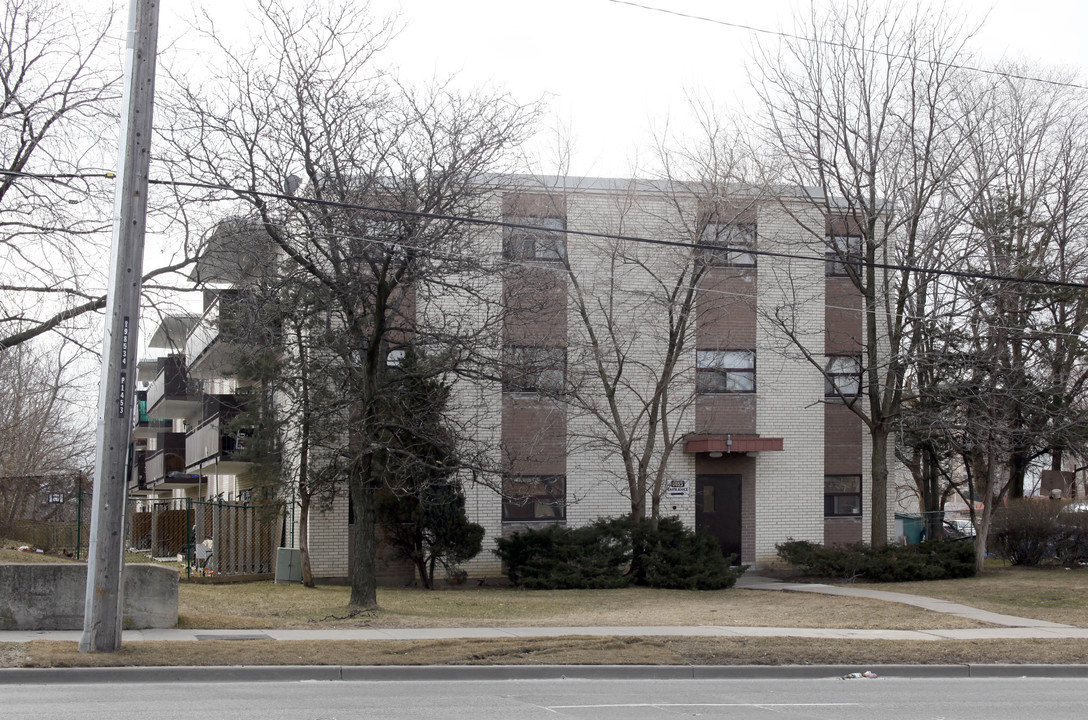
(730, 443)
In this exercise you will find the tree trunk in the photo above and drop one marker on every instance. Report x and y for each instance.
(364, 590)
(931, 494)
(1018, 467)
(879, 533)
(304, 540)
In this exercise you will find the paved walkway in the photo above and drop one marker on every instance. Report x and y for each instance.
(1005, 626)
(759, 582)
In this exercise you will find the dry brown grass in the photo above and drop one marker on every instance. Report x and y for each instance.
(9, 553)
(1052, 594)
(562, 651)
(266, 605)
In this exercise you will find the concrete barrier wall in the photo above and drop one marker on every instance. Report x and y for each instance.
(49, 596)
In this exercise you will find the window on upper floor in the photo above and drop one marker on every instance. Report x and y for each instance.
(728, 244)
(534, 369)
(545, 239)
(843, 254)
(842, 495)
(842, 376)
(722, 371)
(534, 497)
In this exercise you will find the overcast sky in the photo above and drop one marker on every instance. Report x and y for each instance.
(610, 71)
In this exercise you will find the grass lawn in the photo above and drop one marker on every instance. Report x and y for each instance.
(1053, 594)
(267, 605)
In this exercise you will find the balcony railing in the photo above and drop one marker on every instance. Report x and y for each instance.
(171, 384)
(138, 479)
(208, 443)
(203, 442)
(204, 333)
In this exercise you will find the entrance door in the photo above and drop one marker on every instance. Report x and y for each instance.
(717, 510)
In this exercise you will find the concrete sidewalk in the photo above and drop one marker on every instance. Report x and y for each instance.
(1006, 626)
(755, 581)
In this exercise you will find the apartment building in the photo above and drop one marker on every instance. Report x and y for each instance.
(746, 403)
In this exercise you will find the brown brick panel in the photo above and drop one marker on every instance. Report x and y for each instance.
(536, 307)
(534, 205)
(842, 440)
(843, 317)
(728, 211)
(725, 315)
(726, 412)
(842, 531)
(534, 435)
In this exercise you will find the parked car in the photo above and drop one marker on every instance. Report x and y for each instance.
(958, 529)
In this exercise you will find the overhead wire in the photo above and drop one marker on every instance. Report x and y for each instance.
(848, 46)
(559, 268)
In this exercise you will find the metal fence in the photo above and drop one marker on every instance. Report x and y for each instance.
(59, 523)
(207, 538)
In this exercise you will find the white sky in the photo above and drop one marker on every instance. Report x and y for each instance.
(609, 71)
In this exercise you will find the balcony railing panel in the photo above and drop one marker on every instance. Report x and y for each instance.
(203, 442)
(203, 333)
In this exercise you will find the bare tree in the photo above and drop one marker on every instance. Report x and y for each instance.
(866, 112)
(631, 388)
(41, 438)
(59, 90)
(306, 101)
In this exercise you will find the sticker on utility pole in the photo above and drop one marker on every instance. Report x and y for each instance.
(124, 344)
(122, 394)
(678, 487)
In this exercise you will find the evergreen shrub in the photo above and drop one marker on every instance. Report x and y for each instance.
(616, 552)
(929, 560)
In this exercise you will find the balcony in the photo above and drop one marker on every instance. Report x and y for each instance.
(146, 427)
(137, 480)
(166, 465)
(172, 394)
(210, 354)
(211, 451)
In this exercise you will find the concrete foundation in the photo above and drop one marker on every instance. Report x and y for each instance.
(51, 596)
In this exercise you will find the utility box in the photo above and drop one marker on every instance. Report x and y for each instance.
(288, 566)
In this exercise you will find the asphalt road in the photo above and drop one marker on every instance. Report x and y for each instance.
(783, 699)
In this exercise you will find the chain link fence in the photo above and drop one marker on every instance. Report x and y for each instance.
(209, 538)
(206, 538)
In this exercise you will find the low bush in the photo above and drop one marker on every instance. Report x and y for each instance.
(929, 560)
(1024, 531)
(614, 553)
(1071, 540)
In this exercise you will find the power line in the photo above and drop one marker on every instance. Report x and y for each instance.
(897, 267)
(847, 46)
(626, 238)
(561, 270)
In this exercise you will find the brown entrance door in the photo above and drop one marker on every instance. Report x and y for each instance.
(717, 510)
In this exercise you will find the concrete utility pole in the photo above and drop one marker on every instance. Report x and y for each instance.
(102, 619)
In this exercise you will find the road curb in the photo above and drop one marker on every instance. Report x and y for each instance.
(433, 673)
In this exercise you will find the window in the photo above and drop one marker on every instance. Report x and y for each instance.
(842, 495)
(534, 497)
(719, 371)
(843, 254)
(534, 369)
(544, 242)
(729, 244)
(842, 376)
